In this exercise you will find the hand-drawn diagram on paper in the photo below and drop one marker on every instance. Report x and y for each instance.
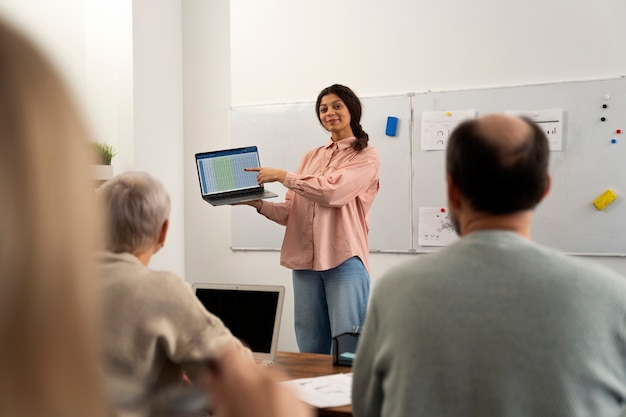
(435, 227)
(437, 126)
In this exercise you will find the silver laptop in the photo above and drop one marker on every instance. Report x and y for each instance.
(251, 312)
(223, 179)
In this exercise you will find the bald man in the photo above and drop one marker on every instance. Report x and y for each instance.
(494, 324)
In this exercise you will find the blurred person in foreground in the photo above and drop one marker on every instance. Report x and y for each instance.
(48, 232)
(494, 324)
(49, 229)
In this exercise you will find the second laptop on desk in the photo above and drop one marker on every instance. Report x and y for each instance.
(251, 312)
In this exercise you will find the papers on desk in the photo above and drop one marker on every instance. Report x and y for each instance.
(324, 391)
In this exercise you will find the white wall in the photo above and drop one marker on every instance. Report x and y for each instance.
(207, 89)
(90, 42)
(285, 51)
(59, 30)
(158, 113)
(123, 60)
(109, 76)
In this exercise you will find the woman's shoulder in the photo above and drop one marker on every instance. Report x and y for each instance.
(369, 152)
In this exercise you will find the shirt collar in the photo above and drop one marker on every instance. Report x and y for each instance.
(342, 144)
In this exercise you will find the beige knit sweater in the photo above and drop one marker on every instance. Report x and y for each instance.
(154, 329)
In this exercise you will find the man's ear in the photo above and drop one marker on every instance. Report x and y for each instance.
(163, 232)
(547, 188)
(454, 195)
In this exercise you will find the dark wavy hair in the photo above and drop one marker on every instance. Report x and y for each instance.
(354, 107)
(494, 180)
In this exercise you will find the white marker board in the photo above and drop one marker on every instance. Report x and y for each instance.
(411, 178)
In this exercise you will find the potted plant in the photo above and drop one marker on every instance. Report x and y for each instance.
(103, 170)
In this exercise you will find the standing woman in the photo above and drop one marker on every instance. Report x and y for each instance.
(326, 213)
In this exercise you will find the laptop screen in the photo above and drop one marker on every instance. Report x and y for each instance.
(223, 171)
(251, 312)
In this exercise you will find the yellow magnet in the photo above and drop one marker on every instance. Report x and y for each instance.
(604, 200)
(449, 113)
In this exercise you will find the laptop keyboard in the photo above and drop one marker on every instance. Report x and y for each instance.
(234, 195)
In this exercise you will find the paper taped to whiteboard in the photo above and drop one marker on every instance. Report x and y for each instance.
(437, 126)
(550, 121)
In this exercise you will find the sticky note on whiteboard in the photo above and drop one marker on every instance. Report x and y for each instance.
(604, 200)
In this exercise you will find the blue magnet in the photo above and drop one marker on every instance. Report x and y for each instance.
(392, 126)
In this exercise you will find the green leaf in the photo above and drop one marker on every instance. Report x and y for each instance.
(104, 153)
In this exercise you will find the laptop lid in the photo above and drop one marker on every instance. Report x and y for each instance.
(251, 312)
(223, 179)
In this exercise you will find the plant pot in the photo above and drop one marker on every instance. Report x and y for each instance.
(102, 172)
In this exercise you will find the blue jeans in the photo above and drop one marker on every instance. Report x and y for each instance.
(329, 303)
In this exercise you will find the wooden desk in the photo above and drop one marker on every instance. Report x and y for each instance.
(307, 365)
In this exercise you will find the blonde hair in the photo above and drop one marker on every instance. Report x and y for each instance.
(48, 230)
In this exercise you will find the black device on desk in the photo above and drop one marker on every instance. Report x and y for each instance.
(251, 312)
(344, 347)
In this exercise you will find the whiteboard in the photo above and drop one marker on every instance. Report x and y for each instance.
(588, 164)
(285, 132)
(410, 177)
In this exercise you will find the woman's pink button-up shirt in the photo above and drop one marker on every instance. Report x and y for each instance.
(327, 207)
